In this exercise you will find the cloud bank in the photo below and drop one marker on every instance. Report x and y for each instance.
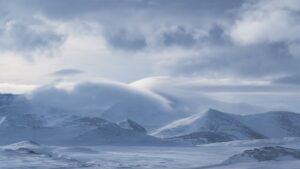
(129, 40)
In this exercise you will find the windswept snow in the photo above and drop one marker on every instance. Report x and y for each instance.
(2, 119)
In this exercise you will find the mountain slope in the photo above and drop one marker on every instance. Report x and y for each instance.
(274, 124)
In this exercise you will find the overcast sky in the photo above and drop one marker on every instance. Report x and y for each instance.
(250, 49)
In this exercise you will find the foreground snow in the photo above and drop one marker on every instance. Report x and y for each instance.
(28, 154)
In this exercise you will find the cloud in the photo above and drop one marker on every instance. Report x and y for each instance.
(180, 36)
(57, 9)
(16, 88)
(234, 95)
(67, 72)
(291, 79)
(28, 38)
(140, 16)
(209, 85)
(247, 61)
(126, 40)
(111, 100)
(190, 95)
(100, 95)
(138, 32)
(268, 22)
(257, 41)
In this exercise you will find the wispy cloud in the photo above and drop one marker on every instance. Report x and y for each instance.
(67, 72)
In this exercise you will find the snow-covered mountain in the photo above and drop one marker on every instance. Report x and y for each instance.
(212, 121)
(152, 107)
(17, 125)
(216, 126)
(24, 119)
(97, 131)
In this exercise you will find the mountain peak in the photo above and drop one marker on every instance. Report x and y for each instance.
(213, 113)
(212, 121)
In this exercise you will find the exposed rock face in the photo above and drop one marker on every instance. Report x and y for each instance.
(132, 125)
(276, 153)
(203, 137)
(13, 99)
(7, 99)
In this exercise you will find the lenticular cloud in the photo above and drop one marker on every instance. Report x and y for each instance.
(114, 101)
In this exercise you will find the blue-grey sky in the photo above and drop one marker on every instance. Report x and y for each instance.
(237, 47)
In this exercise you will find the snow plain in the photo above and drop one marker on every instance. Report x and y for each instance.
(29, 155)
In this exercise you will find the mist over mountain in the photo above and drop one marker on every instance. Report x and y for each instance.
(107, 112)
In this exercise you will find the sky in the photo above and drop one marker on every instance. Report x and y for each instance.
(235, 50)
